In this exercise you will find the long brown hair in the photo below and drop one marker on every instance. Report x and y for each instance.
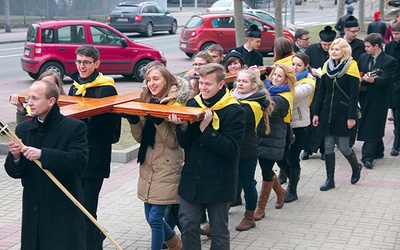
(282, 48)
(170, 80)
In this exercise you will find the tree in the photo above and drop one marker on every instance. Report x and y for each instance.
(239, 22)
(278, 19)
(361, 15)
(7, 14)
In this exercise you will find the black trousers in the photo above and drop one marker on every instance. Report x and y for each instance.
(372, 149)
(396, 117)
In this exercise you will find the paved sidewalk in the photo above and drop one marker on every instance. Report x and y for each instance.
(361, 216)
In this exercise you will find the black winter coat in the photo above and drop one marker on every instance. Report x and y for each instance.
(272, 146)
(210, 172)
(375, 97)
(101, 133)
(47, 213)
(248, 148)
(333, 108)
(377, 26)
(250, 58)
(357, 48)
(340, 24)
(393, 49)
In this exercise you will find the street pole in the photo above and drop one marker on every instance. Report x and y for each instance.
(7, 14)
(293, 3)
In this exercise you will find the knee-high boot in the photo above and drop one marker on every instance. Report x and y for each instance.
(292, 186)
(280, 193)
(282, 177)
(263, 199)
(355, 166)
(330, 172)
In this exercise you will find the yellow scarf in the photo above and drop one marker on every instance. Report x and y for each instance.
(286, 60)
(289, 97)
(308, 80)
(99, 81)
(226, 100)
(257, 110)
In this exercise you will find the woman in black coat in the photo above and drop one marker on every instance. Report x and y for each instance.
(336, 108)
(273, 144)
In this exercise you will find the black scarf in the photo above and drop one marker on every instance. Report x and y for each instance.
(210, 102)
(148, 136)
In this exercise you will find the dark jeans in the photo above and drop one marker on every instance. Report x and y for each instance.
(247, 170)
(91, 189)
(296, 147)
(160, 230)
(371, 149)
(190, 215)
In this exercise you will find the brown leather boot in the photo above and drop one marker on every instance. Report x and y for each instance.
(205, 230)
(280, 193)
(174, 243)
(247, 221)
(263, 199)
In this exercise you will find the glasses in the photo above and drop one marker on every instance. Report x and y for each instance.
(86, 63)
(198, 64)
(305, 39)
(32, 98)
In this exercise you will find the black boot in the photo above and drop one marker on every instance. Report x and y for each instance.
(282, 177)
(330, 172)
(355, 166)
(292, 186)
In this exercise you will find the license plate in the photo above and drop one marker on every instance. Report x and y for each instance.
(122, 19)
(27, 52)
(183, 45)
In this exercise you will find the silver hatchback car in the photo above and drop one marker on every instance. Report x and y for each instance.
(144, 18)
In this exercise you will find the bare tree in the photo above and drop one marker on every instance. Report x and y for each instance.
(278, 19)
(361, 15)
(382, 8)
(340, 9)
(239, 22)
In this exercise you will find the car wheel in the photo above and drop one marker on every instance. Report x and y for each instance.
(53, 66)
(205, 46)
(174, 27)
(149, 30)
(189, 55)
(34, 76)
(139, 71)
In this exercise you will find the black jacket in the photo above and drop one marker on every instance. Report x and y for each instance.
(210, 172)
(375, 97)
(339, 26)
(272, 146)
(250, 58)
(393, 49)
(333, 108)
(377, 26)
(101, 133)
(357, 48)
(248, 148)
(46, 211)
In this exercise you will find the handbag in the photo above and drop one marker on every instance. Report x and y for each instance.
(348, 98)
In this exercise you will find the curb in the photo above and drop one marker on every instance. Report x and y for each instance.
(117, 156)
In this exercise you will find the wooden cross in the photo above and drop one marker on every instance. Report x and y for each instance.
(83, 107)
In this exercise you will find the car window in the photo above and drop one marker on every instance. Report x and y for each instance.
(249, 21)
(32, 33)
(224, 22)
(265, 17)
(71, 34)
(146, 9)
(104, 36)
(194, 22)
(125, 9)
(153, 9)
(47, 35)
(160, 9)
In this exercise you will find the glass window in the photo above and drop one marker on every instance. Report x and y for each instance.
(194, 22)
(32, 33)
(104, 36)
(47, 36)
(224, 22)
(71, 34)
(249, 21)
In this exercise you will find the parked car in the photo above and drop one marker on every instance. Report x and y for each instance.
(144, 18)
(350, 1)
(394, 3)
(225, 5)
(201, 31)
(52, 45)
(264, 15)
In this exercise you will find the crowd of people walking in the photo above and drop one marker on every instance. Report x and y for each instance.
(313, 97)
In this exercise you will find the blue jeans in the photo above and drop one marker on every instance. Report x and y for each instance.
(160, 231)
(247, 169)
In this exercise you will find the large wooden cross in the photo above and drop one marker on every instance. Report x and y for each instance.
(83, 107)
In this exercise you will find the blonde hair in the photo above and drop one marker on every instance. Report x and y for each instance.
(344, 46)
(258, 85)
(289, 75)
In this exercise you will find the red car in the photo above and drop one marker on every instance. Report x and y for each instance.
(52, 45)
(201, 31)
